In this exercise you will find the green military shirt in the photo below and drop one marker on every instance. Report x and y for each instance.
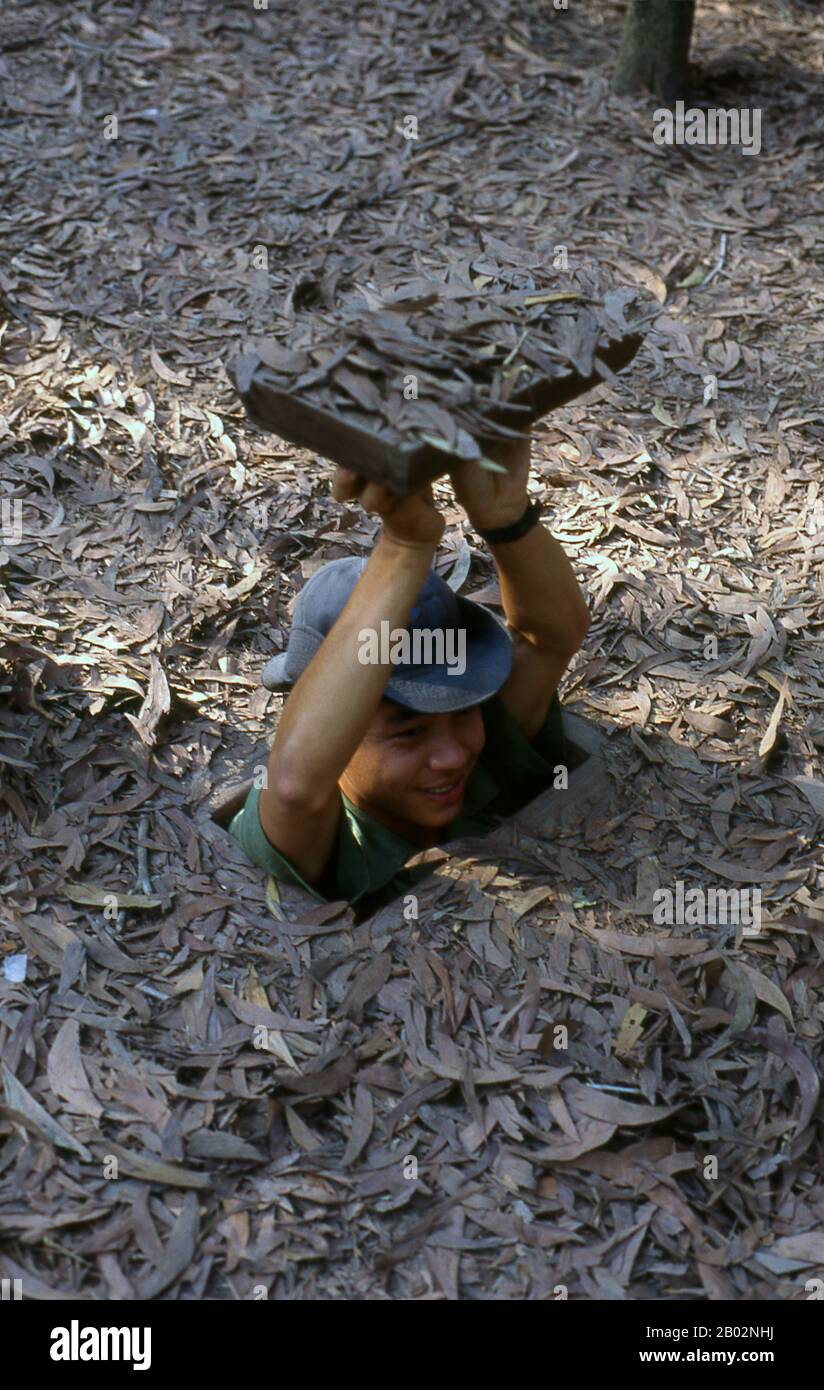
(367, 862)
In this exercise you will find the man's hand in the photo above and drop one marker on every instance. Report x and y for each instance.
(413, 520)
(492, 499)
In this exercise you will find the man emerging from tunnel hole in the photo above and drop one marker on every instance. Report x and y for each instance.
(414, 717)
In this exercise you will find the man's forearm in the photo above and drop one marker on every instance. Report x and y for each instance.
(542, 600)
(541, 597)
(333, 703)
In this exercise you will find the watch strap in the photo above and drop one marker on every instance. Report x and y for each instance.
(517, 529)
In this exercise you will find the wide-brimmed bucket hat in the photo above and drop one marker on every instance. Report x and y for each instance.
(441, 626)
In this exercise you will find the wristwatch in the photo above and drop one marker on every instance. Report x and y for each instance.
(517, 529)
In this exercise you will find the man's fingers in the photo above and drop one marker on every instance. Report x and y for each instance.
(375, 498)
(346, 485)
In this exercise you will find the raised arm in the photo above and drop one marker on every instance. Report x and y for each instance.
(544, 607)
(332, 704)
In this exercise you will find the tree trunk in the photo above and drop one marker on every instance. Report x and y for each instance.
(655, 48)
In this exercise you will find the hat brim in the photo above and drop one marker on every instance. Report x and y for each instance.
(273, 676)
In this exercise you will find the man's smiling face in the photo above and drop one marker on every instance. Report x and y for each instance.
(410, 771)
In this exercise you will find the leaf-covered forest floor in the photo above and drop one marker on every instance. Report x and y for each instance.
(672, 1149)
